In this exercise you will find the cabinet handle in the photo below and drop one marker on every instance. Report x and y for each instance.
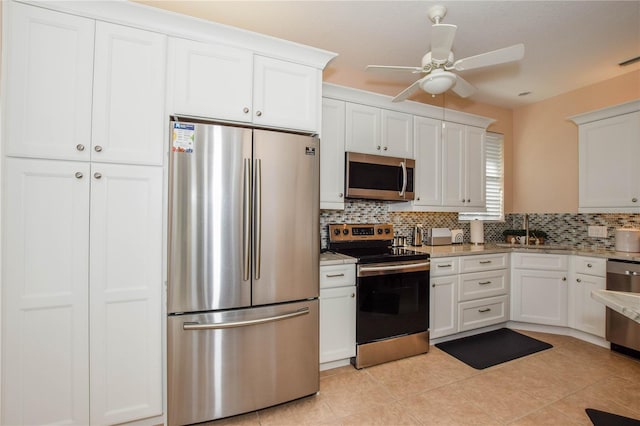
(245, 110)
(578, 280)
(97, 175)
(98, 148)
(484, 310)
(634, 200)
(334, 275)
(80, 147)
(259, 113)
(79, 175)
(448, 265)
(484, 282)
(484, 262)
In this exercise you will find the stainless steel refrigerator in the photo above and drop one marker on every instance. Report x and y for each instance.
(243, 275)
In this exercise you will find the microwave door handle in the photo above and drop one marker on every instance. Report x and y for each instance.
(404, 178)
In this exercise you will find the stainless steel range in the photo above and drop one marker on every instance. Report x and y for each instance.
(392, 286)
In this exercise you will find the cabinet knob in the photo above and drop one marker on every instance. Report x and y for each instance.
(259, 113)
(340, 195)
(97, 175)
(98, 148)
(378, 147)
(245, 110)
(468, 200)
(433, 285)
(578, 280)
(589, 265)
(634, 200)
(385, 148)
(353, 295)
(464, 201)
(80, 147)
(418, 199)
(564, 278)
(79, 175)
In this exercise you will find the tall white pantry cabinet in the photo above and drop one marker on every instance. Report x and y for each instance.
(82, 220)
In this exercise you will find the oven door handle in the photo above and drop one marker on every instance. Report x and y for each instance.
(364, 270)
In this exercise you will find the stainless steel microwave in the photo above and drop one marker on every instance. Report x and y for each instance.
(377, 177)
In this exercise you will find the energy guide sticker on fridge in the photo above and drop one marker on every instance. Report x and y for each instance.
(182, 137)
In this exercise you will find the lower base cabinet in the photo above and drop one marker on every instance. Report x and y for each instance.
(443, 310)
(337, 312)
(81, 296)
(586, 314)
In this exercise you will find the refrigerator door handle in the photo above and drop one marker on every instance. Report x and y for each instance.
(246, 221)
(233, 324)
(257, 207)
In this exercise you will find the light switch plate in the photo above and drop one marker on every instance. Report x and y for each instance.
(597, 231)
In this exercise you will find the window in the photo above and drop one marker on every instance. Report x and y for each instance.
(494, 152)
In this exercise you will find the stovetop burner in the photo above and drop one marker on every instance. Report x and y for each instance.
(369, 243)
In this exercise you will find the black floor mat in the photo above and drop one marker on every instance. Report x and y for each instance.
(492, 348)
(602, 418)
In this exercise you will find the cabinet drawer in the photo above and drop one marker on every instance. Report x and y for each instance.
(444, 266)
(481, 313)
(590, 265)
(484, 262)
(545, 262)
(337, 275)
(483, 284)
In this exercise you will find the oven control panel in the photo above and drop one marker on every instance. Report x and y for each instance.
(360, 231)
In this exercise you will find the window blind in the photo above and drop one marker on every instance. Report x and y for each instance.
(494, 157)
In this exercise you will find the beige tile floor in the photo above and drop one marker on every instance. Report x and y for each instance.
(552, 387)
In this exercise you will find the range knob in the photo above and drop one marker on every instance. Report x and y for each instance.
(336, 232)
(379, 231)
(345, 231)
(387, 230)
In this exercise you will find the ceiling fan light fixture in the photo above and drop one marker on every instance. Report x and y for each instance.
(439, 81)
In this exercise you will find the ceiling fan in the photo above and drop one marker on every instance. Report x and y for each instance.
(439, 62)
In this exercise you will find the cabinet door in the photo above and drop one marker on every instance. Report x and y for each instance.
(50, 65)
(587, 314)
(210, 80)
(444, 306)
(428, 152)
(453, 163)
(475, 165)
(332, 155)
(397, 134)
(126, 288)
(128, 95)
(337, 323)
(608, 169)
(363, 129)
(286, 95)
(539, 297)
(45, 361)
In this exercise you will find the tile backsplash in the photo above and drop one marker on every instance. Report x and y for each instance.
(562, 228)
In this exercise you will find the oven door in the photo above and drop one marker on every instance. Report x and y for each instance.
(392, 300)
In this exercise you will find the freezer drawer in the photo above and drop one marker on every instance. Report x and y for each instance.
(258, 357)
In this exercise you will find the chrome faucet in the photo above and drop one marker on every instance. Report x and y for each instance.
(526, 228)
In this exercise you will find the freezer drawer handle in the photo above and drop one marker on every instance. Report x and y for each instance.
(233, 324)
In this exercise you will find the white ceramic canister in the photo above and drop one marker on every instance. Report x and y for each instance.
(628, 240)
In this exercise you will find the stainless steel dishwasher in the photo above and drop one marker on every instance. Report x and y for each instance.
(623, 332)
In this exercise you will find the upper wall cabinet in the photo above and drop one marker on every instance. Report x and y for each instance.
(428, 149)
(332, 155)
(372, 130)
(64, 105)
(228, 83)
(609, 179)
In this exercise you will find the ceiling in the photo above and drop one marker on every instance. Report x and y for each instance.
(568, 44)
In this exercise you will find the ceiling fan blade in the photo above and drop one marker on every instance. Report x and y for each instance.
(442, 36)
(500, 56)
(463, 88)
(408, 91)
(394, 68)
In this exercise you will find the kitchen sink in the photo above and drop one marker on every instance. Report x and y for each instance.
(536, 247)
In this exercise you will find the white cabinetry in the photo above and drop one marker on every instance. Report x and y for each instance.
(463, 167)
(228, 83)
(337, 313)
(332, 154)
(444, 297)
(57, 113)
(372, 130)
(468, 292)
(609, 177)
(427, 134)
(82, 282)
(539, 288)
(586, 314)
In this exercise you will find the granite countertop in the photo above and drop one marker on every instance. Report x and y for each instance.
(627, 304)
(329, 258)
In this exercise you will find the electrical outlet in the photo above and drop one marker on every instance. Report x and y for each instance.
(597, 231)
